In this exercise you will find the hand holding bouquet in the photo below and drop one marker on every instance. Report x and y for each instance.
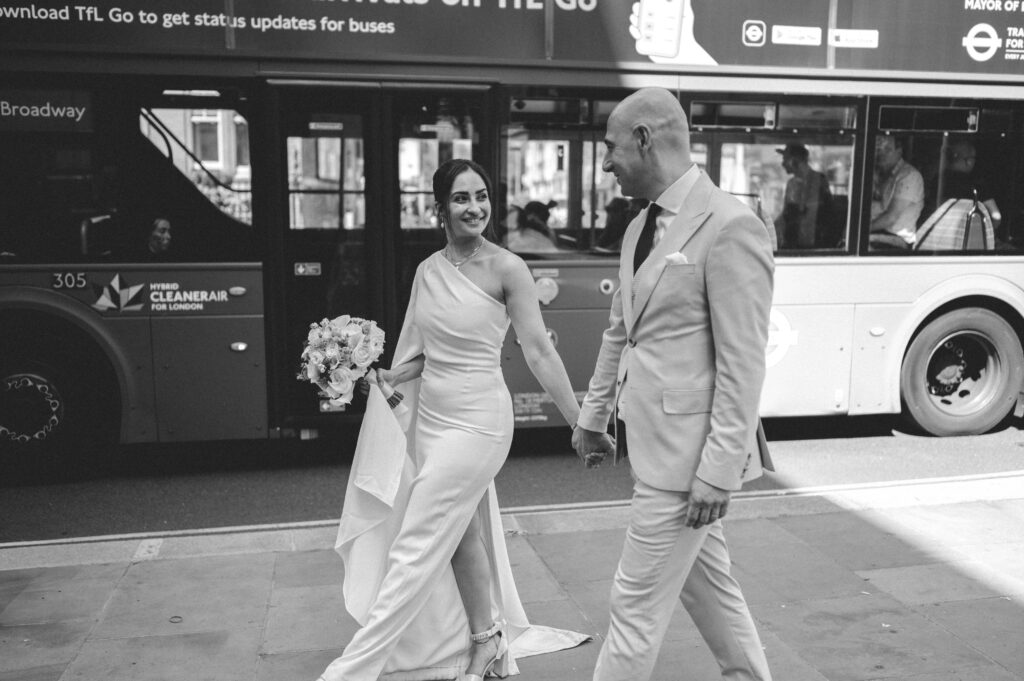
(338, 353)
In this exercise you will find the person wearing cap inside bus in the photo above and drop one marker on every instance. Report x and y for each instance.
(805, 204)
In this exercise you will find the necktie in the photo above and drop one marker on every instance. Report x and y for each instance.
(643, 245)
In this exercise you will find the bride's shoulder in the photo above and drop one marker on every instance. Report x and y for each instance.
(505, 260)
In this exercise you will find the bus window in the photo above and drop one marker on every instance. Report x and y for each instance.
(431, 129)
(956, 187)
(538, 172)
(210, 147)
(801, 189)
(606, 213)
(325, 177)
(91, 191)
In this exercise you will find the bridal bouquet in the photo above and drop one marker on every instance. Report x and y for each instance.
(338, 353)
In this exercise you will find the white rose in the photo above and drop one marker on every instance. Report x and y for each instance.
(376, 339)
(338, 324)
(343, 383)
(363, 355)
(352, 335)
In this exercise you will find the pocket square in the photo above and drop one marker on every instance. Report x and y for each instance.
(677, 258)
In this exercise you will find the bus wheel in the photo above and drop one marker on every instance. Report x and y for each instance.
(962, 373)
(32, 406)
(42, 409)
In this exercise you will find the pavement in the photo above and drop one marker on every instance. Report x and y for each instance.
(920, 581)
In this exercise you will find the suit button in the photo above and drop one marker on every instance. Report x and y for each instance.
(631, 342)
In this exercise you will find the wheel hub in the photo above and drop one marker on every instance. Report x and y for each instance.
(32, 408)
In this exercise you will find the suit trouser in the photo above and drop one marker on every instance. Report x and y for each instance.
(663, 559)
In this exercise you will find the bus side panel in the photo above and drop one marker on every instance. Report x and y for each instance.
(878, 353)
(134, 349)
(575, 301)
(208, 387)
(808, 359)
(578, 339)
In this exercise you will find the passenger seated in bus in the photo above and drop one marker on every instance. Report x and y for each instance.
(806, 201)
(960, 181)
(619, 212)
(532, 234)
(156, 243)
(897, 197)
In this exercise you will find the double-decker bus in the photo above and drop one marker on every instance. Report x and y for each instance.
(185, 188)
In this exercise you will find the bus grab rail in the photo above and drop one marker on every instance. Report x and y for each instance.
(167, 134)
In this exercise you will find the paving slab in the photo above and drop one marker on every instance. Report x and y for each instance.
(168, 597)
(867, 637)
(34, 646)
(882, 584)
(225, 655)
(992, 626)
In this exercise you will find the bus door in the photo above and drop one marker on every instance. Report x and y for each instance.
(791, 161)
(356, 163)
(327, 219)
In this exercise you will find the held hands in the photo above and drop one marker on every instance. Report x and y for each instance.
(592, 446)
(382, 378)
(707, 504)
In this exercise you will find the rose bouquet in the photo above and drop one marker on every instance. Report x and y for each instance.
(338, 353)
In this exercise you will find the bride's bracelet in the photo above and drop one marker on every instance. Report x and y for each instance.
(395, 399)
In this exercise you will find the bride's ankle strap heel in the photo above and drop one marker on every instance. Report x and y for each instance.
(499, 664)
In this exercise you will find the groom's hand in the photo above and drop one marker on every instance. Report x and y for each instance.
(592, 446)
(706, 505)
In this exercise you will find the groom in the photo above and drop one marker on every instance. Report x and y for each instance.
(681, 366)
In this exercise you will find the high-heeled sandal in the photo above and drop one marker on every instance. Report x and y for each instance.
(497, 665)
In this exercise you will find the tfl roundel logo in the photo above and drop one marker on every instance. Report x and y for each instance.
(754, 33)
(982, 42)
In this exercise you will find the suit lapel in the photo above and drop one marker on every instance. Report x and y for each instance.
(692, 214)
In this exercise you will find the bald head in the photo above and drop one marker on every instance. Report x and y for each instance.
(659, 110)
(653, 121)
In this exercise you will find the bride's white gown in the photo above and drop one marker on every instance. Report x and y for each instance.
(419, 475)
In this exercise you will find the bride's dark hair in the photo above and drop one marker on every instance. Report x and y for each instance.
(444, 178)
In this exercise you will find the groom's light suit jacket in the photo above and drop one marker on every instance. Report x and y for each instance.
(686, 346)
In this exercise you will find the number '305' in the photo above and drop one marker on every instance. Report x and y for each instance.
(63, 280)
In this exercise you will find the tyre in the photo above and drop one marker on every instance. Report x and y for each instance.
(962, 373)
(51, 400)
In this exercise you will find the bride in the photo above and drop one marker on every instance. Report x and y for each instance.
(427, 574)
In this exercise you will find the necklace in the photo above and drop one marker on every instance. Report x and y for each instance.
(459, 263)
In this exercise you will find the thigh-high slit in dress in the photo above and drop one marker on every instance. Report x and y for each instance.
(418, 477)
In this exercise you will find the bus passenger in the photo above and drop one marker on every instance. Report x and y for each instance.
(806, 202)
(618, 214)
(961, 182)
(159, 242)
(897, 197)
(532, 234)
(425, 574)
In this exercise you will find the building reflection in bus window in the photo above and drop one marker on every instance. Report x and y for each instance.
(418, 158)
(326, 182)
(537, 217)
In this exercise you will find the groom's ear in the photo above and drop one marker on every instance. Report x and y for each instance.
(642, 135)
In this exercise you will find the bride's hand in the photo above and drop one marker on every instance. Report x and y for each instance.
(382, 378)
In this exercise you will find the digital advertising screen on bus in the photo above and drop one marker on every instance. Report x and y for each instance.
(980, 37)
